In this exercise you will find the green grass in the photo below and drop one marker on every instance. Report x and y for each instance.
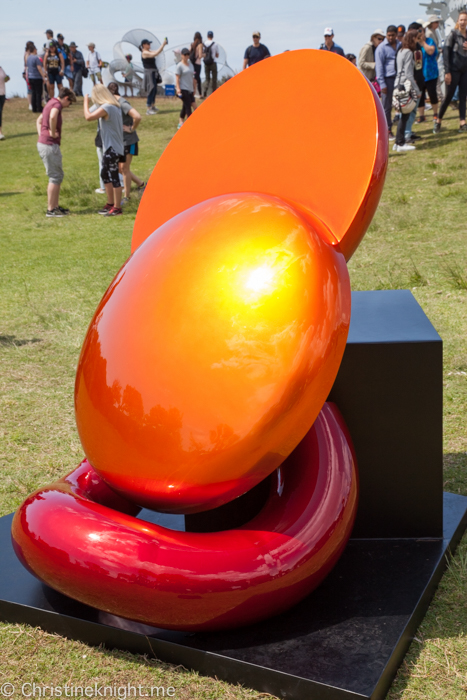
(53, 274)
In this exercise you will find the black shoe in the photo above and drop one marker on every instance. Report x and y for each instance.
(54, 214)
(436, 127)
(62, 210)
(462, 129)
(415, 137)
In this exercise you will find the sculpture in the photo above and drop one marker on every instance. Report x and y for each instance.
(208, 362)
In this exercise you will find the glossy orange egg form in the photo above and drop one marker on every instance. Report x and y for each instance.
(208, 362)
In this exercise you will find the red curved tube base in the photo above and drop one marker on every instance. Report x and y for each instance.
(83, 540)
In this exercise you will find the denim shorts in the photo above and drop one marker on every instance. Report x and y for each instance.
(54, 78)
(52, 159)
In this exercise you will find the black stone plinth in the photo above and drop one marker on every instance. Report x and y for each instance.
(345, 641)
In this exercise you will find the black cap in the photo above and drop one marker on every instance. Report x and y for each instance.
(185, 52)
(211, 34)
(60, 36)
(146, 41)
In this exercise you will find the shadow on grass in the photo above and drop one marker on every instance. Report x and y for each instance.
(9, 194)
(9, 341)
(17, 136)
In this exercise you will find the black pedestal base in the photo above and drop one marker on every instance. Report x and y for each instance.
(346, 640)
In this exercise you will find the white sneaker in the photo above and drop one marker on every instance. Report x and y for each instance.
(403, 149)
(1, 137)
(30, 108)
(99, 191)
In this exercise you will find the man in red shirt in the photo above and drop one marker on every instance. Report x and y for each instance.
(49, 128)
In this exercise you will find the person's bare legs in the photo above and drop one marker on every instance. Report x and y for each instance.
(109, 190)
(50, 89)
(137, 180)
(117, 197)
(53, 194)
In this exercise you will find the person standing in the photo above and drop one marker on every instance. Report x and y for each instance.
(455, 67)
(77, 66)
(185, 85)
(129, 73)
(94, 64)
(131, 118)
(329, 45)
(49, 128)
(106, 109)
(36, 77)
(366, 57)
(54, 65)
(431, 30)
(385, 59)
(151, 73)
(64, 50)
(405, 71)
(400, 32)
(430, 73)
(3, 79)
(256, 52)
(211, 54)
(196, 57)
(27, 51)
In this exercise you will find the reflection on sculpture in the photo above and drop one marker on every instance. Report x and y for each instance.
(207, 365)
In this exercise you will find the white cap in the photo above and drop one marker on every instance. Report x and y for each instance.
(329, 31)
(433, 18)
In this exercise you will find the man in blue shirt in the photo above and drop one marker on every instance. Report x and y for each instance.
(329, 44)
(256, 52)
(385, 59)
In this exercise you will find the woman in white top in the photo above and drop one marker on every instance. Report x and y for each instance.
(405, 71)
(106, 109)
(196, 58)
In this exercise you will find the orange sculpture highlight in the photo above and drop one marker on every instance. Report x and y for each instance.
(208, 362)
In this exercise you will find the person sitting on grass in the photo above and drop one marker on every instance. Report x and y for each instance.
(106, 109)
(131, 118)
(49, 128)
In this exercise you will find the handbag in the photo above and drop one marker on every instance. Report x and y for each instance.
(403, 99)
(377, 87)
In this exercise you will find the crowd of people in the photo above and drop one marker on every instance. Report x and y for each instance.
(407, 67)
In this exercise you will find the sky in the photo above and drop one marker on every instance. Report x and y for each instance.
(292, 24)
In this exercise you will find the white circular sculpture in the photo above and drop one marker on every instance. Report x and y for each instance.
(130, 74)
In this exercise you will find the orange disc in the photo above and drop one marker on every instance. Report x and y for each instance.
(212, 353)
(322, 146)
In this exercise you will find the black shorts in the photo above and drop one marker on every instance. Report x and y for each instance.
(109, 170)
(131, 150)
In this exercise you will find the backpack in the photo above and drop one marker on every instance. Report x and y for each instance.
(193, 55)
(208, 59)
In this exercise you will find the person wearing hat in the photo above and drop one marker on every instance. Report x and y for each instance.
(329, 44)
(211, 54)
(185, 85)
(94, 64)
(49, 38)
(400, 32)
(77, 67)
(151, 72)
(256, 52)
(49, 128)
(366, 57)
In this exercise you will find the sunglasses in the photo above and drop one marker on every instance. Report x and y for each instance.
(256, 36)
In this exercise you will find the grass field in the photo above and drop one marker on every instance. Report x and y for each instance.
(53, 274)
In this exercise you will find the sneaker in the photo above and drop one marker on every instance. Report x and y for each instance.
(391, 136)
(415, 137)
(420, 120)
(436, 127)
(2, 136)
(106, 209)
(115, 211)
(30, 108)
(63, 211)
(142, 187)
(462, 129)
(54, 214)
(125, 200)
(99, 191)
(404, 148)
(179, 126)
